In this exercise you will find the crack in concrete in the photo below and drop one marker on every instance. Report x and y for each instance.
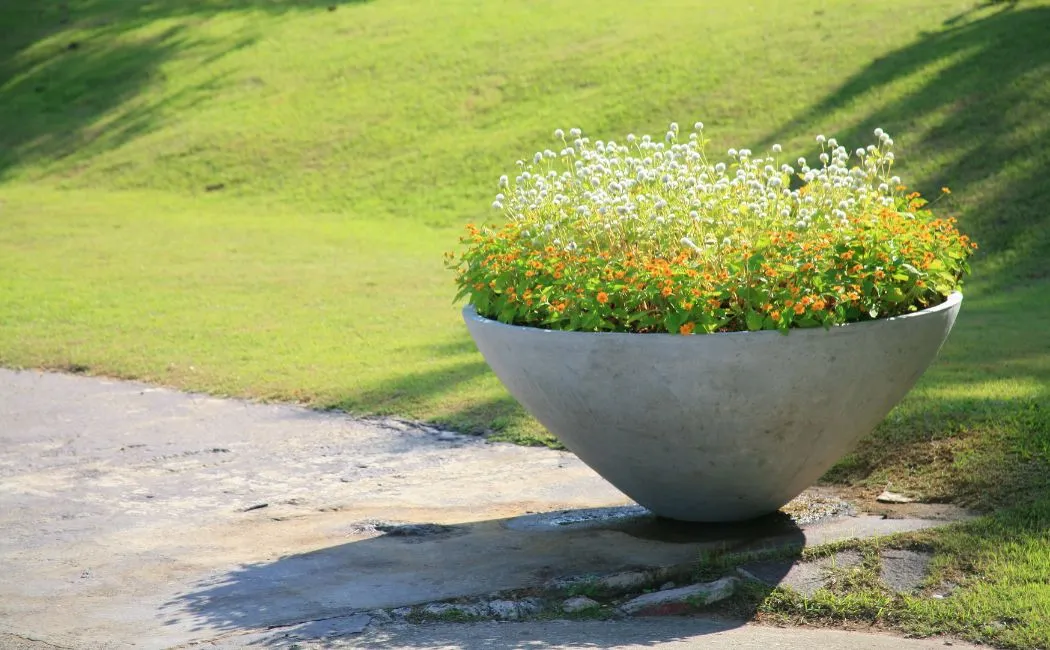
(37, 644)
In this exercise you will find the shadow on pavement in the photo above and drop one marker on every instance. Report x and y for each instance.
(307, 594)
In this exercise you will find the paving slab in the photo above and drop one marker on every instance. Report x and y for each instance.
(804, 577)
(904, 571)
(134, 515)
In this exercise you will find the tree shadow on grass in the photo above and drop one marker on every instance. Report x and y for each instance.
(978, 112)
(976, 430)
(968, 104)
(461, 393)
(70, 70)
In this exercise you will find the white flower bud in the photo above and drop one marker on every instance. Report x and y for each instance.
(777, 148)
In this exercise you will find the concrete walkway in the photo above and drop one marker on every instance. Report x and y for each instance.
(139, 516)
(667, 634)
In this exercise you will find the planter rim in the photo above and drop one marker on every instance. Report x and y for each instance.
(953, 299)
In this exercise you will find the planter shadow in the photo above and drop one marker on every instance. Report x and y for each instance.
(414, 564)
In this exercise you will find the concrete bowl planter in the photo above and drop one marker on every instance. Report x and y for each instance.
(715, 427)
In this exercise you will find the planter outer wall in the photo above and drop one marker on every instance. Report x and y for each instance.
(715, 427)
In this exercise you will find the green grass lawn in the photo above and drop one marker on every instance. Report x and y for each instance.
(251, 197)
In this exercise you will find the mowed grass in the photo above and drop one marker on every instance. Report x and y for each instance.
(251, 198)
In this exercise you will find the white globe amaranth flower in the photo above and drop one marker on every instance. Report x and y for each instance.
(598, 187)
(559, 134)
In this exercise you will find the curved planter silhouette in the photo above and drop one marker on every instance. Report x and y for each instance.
(714, 427)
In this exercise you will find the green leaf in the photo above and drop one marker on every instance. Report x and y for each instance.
(674, 320)
(506, 315)
(754, 320)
